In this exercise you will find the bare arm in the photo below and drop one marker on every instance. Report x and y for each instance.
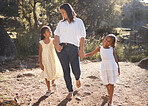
(40, 57)
(116, 61)
(56, 44)
(93, 52)
(81, 51)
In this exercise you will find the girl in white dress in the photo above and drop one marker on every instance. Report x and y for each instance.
(49, 62)
(109, 67)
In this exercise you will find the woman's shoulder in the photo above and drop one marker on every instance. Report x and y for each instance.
(78, 19)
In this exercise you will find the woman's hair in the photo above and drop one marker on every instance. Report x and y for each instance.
(42, 31)
(114, 38)
(69, 10)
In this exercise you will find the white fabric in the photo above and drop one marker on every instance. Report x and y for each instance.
(109, 68)
(70, 32)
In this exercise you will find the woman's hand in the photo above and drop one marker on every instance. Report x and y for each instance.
(81, 54)
(42, 67)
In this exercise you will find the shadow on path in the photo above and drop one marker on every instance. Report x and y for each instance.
(40, 99)
(63, 102)
(103, 103)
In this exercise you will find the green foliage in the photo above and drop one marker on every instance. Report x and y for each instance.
(90, 45)
(129, 52)
(8, 8)
(27, 44)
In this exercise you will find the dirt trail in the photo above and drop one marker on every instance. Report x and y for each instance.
(132, 90)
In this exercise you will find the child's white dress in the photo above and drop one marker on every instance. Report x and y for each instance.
(50, 61)
(109, 68)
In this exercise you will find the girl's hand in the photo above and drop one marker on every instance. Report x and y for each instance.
(118, 71)
(42, 67)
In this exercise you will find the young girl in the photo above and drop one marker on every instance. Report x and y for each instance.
(49, 63)
(109, 66)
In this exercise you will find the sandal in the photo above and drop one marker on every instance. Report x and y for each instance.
(110, 104)
(70, 95)
(48, 93)
(78, 83)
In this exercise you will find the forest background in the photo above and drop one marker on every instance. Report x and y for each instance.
(127, 19)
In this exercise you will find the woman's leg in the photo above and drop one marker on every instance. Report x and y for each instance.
(64, 59)
(75, 64)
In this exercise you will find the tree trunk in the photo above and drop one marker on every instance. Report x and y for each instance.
(34, 14)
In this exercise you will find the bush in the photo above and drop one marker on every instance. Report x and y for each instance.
(27, 44)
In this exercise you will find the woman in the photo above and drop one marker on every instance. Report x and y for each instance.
(69, 36)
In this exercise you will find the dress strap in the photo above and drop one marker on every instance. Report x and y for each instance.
(41, 42)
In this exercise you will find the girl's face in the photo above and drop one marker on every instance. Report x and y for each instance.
(107, 42)
(63, 13)
(47, 33)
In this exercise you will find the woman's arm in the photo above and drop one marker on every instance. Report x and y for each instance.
(116, 61)
(81, 51)
(56, 44)
(93, 52)
(40, 57)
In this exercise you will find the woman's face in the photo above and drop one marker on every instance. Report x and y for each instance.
(63, 13)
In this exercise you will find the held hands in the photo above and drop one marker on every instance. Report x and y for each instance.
(81, 54)
(59, 48)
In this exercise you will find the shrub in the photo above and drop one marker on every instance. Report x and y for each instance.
(27, 44)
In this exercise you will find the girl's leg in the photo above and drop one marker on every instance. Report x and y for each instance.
(106, 97)
(111, 91)
(53, 84)
(108, 89)
(48, 84)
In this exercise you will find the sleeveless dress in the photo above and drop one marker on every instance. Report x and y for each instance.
(50, 61)
(109, 68)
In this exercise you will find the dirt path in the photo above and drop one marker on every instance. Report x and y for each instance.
(132, 90)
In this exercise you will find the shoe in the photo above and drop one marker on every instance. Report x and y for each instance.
(54, 86)
(78, 83)
(110, 104)
(106, 98)
(70, 95)
(48, 93)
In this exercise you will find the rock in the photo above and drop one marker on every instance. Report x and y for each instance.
(28, 74)
(7, 47)
(87, 85)
(92, 77)
(78, 98)
(87, 93)
(19, 75)
(143, 63)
